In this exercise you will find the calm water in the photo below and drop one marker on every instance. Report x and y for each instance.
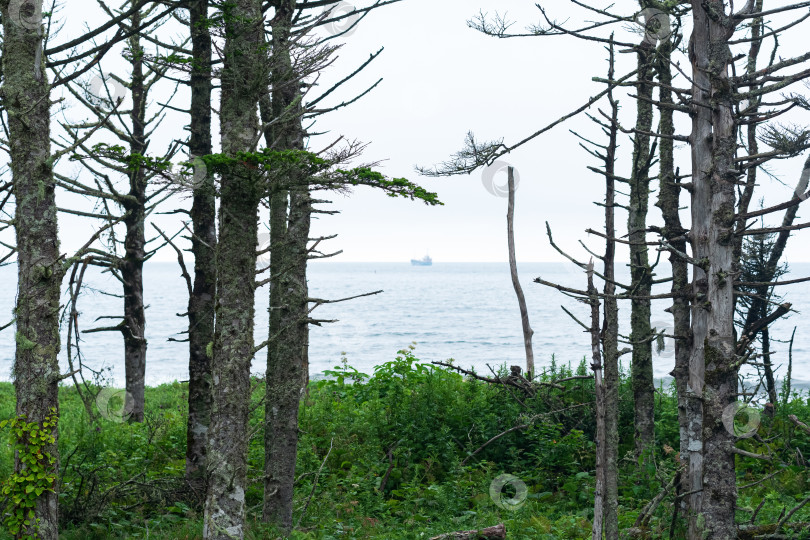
(464, 311)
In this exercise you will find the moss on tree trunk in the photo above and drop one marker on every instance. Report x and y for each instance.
(26, 97)
(242, 79)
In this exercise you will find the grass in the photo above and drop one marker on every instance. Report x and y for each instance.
(398, 438)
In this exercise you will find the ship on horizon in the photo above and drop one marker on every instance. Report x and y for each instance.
(424, 261)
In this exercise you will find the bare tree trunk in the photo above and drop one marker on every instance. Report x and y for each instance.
(669, 193)
(203, 244)
(610, 328)
(26, 97)
(641, 274)
(747, 193)
(242, 79)
(713, 375)
(287, 367)
(524, 312)
(770, 383)
(601, 439)
(134, 326)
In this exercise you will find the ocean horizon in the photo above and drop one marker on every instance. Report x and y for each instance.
(466, 312)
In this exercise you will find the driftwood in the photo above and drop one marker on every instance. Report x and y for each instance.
(498, 532)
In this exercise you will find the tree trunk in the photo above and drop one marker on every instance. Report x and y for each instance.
(712, 359)
(524, 312)
(287, 369)
(599, 390)
(242, 79)
(610, 329)
(203, 244)
(134, 326)
(26, 96)
(747, 193)
(669, 202)
(770, 383)
(641, 278)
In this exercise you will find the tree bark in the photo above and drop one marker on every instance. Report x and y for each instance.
(599, 390)
(131, 266)
(203, 244)
(240, 191)
(712, 360)
(524, 312)
(287, 366)
(26, 97)
(610, 328)
(640, 272)
(669, 203)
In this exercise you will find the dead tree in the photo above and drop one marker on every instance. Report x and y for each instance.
(124, 257)
(599, 389)
(524, 312)
(716, 170)
(641, 369)
(673, 231)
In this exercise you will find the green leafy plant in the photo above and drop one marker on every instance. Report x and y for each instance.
(36, 475)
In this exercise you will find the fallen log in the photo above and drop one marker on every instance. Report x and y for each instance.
(498, 532)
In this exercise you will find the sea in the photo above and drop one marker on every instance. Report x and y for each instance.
(467, 312)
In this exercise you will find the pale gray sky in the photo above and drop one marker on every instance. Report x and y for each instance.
(441, 79)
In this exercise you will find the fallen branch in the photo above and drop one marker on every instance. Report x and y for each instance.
(804, 427)
(498, 532)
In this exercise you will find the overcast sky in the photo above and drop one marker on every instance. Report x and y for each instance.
(442, 79)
